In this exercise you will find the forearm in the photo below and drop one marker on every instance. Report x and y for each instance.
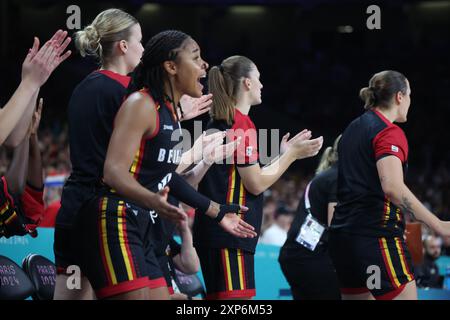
(188, 255)
(14, 110)
(196, 174)
(184, 192)
(272, 172)
(17, 171)
(408, 203)
(35, 177)
(123, 183)
(186, 161)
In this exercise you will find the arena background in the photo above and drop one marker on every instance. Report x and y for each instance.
(313, 56)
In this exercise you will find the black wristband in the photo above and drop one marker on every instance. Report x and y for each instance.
(227, 208)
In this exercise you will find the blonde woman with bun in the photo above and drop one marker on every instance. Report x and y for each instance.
(114, 39)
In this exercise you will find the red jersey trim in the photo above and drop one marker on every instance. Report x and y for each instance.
(123, 80)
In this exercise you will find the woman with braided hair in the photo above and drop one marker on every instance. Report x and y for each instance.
(114, 40)
(141, 162)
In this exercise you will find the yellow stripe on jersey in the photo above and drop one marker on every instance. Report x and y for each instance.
(121, 225)
(135, 161)
(402, 259)
(389, 260)
(232, 186)
(388, 212)
(105, 242)
(241, 273)
(228, 271)
(10, 218)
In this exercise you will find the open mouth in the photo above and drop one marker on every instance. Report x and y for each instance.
(201, 81)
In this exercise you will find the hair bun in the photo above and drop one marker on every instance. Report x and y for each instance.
(367, 94)
(92, 34)
(88, 41)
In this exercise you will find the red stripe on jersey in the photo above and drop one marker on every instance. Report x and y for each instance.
(123, 80)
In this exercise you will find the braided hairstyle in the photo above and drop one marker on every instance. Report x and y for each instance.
(150, 73)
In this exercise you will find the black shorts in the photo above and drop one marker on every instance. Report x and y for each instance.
(114, 248)
(228, 273)
(311, 275)
(75, 194)
(381, 266)
(166, 270)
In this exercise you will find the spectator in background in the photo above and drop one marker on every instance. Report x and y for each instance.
(276, 234)
(446, 246)
(270, 206)
(427, 274)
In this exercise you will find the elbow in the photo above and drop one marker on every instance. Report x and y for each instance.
(110, 175)
(392, 190)
(254, 188)
(11, 143)
(192, 267)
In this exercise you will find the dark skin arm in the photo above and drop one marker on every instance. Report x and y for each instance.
(26, 163)
(135, 119)
(35, 176)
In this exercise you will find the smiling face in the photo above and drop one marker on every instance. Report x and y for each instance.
(190, 69)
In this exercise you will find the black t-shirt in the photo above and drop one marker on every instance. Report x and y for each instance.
(322, 191)
(92, 109)
(223, 184)
(363, 208)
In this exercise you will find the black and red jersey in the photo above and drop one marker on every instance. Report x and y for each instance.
(223, 184)
(160, 153)
(363, 208)
(92, 109)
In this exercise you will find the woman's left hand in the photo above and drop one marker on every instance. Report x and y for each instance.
(194, 107)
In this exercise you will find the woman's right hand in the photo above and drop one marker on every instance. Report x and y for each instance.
(302, 146)
(40, 63)
(166, 210)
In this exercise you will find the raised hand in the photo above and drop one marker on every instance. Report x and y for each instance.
(304, 147)
(194, 107)
(216, 153)
(285, 143)
(203, 142)
(40, 63)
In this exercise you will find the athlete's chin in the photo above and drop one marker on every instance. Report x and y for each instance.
(257, 102)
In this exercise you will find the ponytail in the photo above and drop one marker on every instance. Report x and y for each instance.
(329, 156)
(223, 102)
(224, 83)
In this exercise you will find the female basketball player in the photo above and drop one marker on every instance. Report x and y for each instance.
(114, 38)
(227, 261)
(23, 185)
(307, 264)
(123, 264)
(366, 240)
